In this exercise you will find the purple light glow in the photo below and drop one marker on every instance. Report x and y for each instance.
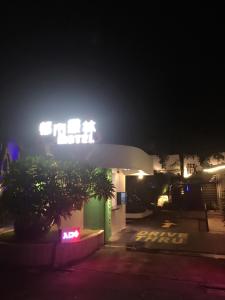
(14, 151)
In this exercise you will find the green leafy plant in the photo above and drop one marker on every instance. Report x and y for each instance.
(39, 191)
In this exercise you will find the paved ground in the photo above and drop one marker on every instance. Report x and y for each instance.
(216, 222)
(175, 231)
(5, 229)
(114, 273)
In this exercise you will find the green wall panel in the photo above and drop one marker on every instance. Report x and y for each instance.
(108, 214)
(94, 214)
(97, 214)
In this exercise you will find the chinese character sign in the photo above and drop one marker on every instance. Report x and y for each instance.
(72, 132)
(45, 128)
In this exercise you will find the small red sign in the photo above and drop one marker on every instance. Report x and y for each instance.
(70, 235)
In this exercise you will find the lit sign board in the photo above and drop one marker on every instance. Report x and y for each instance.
(70, 235)
(72, 132)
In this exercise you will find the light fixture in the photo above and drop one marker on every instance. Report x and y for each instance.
(141, 174)
(214, 169)
(162, 199)
(186, 174)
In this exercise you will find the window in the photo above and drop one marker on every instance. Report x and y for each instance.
(191, 168)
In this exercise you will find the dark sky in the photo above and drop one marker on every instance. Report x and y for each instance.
(150, 76)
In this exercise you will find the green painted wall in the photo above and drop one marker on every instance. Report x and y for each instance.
(108, 214)
(97, 214)
(94, 214)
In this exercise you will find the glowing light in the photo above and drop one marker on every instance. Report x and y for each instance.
(88, 130)
(59, 129)
(76, 233)
(1, 189)
(140, 174)
(73, 126)
(70, 235)
(162, 200)
(14, 150)
(89, 127)
(70, 132)
(45, 128)
(214, 169)
(186, 174)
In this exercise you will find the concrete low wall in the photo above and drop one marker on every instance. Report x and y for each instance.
(139, 215)
(118, 219)
(67, 253)
(49, 254)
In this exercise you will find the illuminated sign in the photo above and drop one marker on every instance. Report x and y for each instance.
(72, 132)
(70, 235)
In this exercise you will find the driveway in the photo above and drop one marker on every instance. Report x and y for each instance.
(113, 273)
(171, 231)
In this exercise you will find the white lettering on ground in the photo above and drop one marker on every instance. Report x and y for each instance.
(162, 237)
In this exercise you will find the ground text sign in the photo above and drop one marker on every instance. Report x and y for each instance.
(162, 237)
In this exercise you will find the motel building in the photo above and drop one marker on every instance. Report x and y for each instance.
(74, 140)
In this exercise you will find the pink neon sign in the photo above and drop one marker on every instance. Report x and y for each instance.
(70, 235)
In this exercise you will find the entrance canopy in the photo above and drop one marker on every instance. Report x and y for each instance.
(131, 159)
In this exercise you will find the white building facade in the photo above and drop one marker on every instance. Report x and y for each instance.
(121, 160)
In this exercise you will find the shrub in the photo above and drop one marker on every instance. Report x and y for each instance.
(38, 191)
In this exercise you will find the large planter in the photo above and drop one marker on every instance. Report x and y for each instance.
(29, 228)
(49, 254)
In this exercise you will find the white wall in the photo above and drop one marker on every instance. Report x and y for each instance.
(106, 156)
(215, 162)
(77, 219)
(172, 163)
(118, 218)
(118, 180)
(192, 161)
(220, 188)
(156, 163)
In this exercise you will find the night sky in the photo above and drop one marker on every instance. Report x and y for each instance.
(151, 77)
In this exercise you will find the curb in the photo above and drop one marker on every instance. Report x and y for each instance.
(177, 252)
